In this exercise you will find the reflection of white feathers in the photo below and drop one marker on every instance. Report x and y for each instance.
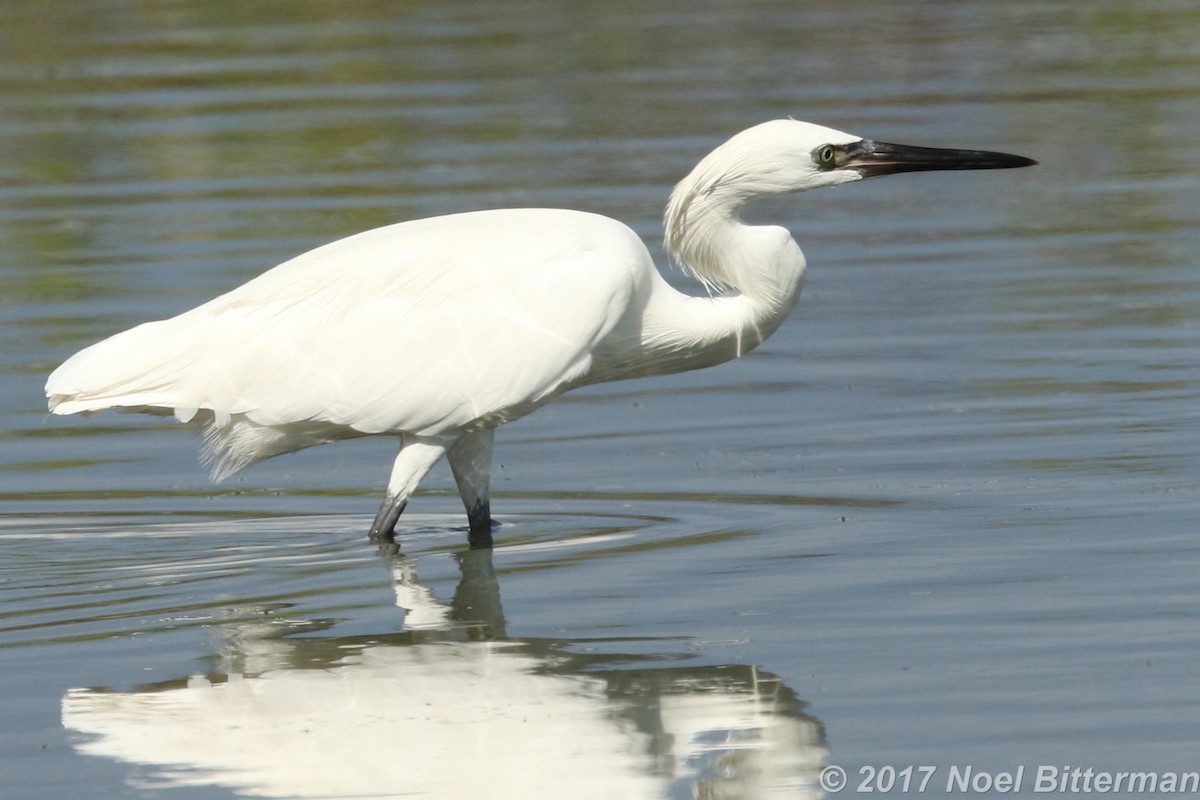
(448, 720)
(442, 720)
(432, 714)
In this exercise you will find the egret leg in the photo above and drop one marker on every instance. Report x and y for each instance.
(471, 462)
(383, 528)
(415, 459)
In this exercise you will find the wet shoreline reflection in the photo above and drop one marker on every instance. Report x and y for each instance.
(451, 706)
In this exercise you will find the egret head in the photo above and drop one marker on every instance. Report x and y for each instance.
(787, 155)
(776, 157)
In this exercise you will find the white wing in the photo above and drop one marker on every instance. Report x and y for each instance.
(423, 327)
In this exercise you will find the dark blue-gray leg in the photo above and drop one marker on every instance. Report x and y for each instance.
(383, 529)
(471, 462)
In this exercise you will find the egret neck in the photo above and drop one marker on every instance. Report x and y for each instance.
(753, 274)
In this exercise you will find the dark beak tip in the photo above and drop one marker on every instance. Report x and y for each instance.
(1020, 161)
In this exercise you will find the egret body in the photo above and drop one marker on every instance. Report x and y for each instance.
(437, 331)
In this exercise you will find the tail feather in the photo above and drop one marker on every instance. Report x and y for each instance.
(138, 368)
(153, 368)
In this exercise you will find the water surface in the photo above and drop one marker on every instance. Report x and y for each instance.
(946, 516)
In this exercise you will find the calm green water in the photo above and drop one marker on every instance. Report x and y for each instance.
(947, 516)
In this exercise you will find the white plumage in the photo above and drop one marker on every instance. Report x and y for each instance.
(439, 330)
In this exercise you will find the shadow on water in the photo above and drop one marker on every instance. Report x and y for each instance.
(450, 705)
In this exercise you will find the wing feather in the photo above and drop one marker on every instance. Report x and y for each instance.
(424, 327)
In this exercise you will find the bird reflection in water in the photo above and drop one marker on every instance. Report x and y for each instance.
(450, 707)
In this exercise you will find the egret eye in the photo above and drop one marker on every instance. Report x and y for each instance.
(824, 156)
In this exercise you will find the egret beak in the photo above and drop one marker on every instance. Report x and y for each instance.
(869, 158)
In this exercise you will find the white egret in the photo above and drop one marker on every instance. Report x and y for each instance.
(438, 330)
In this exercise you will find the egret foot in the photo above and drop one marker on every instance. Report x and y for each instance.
(479, 516)
(480, 538)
